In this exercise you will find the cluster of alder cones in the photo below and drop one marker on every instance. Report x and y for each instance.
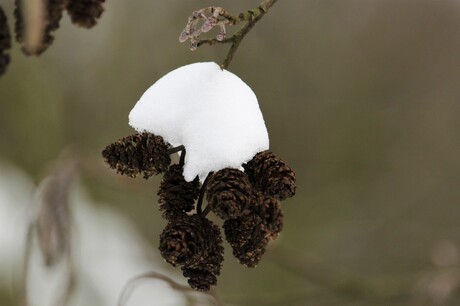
(83, 13)
(248, 203)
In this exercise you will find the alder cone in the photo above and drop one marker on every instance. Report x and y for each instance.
(246, 236)
(85, 13)
(195, 244)
(177, 196)
(144, 154)
(200, 280)
(228, 193)
(271, 175)
(250, 233)
(5, 41)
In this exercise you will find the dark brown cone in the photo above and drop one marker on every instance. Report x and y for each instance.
(246, 236)
(5, 41)
(139, 153)
(228, 192)
(85, 13)
(199, 279)
(271, 214)
(176, 196)
(195, 244)
(271, 175)
(250, 233)
(53, 15)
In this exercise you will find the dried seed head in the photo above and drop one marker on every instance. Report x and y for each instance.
(271, 175)
(246, 235)
(5, 42)
(199, 279)
(54, 215)
(38, 37)
(85, 13)
(139, 153)
(182, 242)
(271, 214)
(176, 196)
(195, 244)
(228, 193)
(250, 233)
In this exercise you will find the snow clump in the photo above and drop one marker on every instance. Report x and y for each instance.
(210, 111)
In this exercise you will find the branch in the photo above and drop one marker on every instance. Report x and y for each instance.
(130, 286)
(220, 17)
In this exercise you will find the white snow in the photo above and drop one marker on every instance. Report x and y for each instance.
(210, 111)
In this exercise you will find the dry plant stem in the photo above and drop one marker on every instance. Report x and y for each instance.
(206, 210)
(251, 17)
(130, 286)
(176, 149)
(52, 223)
(182, 158)
(201, 197)
(25, 264)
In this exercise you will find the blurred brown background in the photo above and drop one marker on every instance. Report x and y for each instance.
(361, 97)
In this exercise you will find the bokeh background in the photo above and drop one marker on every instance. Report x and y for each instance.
(361, 97)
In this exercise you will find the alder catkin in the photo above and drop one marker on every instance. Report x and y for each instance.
(5, 41)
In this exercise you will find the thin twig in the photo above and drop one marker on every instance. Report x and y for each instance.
(251, 17)
(206, 210)
(182, 158)
(201, 197)
(176, 149)
(130, 286)
(255, 16)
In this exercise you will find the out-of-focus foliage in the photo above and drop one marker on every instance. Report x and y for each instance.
(362, 98)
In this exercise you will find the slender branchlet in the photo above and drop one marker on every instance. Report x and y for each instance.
(221, 18)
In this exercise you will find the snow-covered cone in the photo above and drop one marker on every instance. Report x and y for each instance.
(250, 233)
(85, 13)
(210, 111)
(53, 15)
(193, 243)
(5, 41)
(176, 196)
(228, 192)
(271, 175)
(144, 154)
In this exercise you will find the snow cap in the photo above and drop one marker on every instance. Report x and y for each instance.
(210, 111)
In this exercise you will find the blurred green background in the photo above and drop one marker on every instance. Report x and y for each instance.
(361, 97)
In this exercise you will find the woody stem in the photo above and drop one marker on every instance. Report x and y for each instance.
(201, 197)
